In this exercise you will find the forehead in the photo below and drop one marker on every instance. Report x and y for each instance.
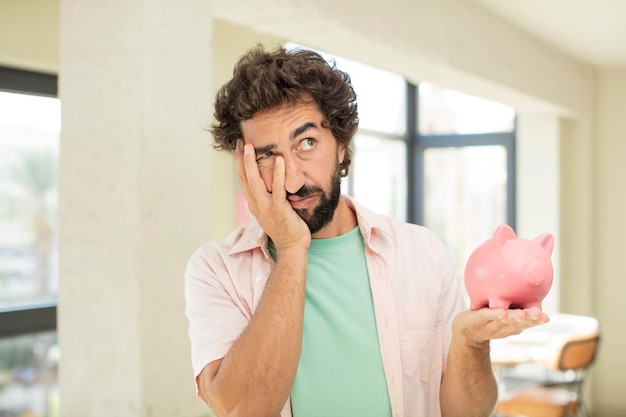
(284, 118)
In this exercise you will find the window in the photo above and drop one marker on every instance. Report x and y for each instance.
(465, 151)
(444, 111)
(378, 174)
(30, 122)
(378, 177)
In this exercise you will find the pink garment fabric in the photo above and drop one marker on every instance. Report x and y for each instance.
(415, 290)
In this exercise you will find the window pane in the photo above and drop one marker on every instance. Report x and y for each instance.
(381, 97)
(29, 148)
(465, 196)
(443, 111)
(379, 176)
(28, 376)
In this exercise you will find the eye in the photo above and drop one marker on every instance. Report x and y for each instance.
(308, 144)
(265, 159)
(263, 155)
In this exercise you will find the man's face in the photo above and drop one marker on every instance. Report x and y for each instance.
(312, 157)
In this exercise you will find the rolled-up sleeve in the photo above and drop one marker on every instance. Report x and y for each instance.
(215, 318)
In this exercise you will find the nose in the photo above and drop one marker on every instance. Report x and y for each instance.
(536, 274)
(294, 176)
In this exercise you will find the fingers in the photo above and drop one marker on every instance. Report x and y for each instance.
(241, 171)
(249, 177)
(252, 184)
(253, 177)
(531, 316)
(279, 194)
(535, 313)
(515, 315)
(485, 324)
(242, 176)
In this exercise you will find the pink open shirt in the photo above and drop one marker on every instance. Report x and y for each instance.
(415, 290)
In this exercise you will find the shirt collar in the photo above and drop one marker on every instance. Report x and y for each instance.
(375, 228)
(250, 237)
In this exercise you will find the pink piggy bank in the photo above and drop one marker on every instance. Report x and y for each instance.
(509, 272)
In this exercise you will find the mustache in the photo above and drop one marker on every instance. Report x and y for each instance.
(305, 191)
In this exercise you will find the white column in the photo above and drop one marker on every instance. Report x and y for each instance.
(538, 185)
(135, 87)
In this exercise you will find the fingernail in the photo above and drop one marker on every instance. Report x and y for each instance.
(246, 149)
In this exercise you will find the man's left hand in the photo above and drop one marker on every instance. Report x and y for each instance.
(477, 327)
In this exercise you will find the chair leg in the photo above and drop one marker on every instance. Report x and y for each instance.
(583, 410)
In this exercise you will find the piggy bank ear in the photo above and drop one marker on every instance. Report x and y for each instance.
(503, 233)
(546, 241)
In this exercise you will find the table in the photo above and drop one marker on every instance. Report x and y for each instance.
(540, 343)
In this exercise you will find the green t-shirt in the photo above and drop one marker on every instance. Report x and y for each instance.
(340, 373)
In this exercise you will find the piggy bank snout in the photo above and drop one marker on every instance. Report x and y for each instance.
(536, 273)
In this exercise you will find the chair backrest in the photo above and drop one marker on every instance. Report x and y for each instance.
(578, 353)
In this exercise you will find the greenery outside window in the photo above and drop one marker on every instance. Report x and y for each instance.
(30, 123)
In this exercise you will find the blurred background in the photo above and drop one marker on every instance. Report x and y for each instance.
(472, 113)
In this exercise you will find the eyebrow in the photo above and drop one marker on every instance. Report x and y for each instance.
(297, 132)
(300, 130)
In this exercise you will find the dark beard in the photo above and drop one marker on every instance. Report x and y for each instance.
(323, 213)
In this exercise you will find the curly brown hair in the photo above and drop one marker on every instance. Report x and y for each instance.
(264, 80)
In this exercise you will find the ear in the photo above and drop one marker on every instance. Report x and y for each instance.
(341, 152)
(503, 233)
(546, 241)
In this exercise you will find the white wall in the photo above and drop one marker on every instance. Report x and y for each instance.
(538, 184)
(609, 249)
(135, 86)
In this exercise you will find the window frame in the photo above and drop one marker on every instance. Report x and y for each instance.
(418, 143)
(41, 315)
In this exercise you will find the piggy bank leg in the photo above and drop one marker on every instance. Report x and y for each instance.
(533, 304)
(499, 303)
